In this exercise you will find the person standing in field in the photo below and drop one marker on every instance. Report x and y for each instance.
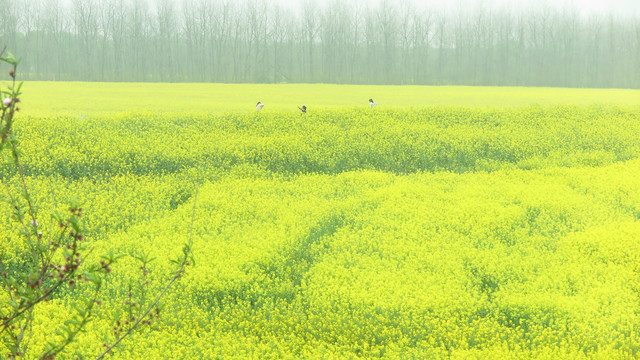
(303, 109)
(372, 103)
(259, 106)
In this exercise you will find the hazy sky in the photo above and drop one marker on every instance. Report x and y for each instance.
(585, 6)
(603, 5)
(594, 6)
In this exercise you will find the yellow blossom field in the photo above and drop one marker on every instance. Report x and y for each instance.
(80, 98)
(453, 222)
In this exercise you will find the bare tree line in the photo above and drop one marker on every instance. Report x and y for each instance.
(337, 42)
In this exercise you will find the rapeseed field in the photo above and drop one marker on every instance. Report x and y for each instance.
(504, 227)
(46, 98)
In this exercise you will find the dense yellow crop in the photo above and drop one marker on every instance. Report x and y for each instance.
(80, 98)
(431, 232)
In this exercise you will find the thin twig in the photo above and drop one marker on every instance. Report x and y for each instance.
(13, 201)
(139, 320)
(27, 197)
(85, 319)
(7, 321)
(177, 275)
(70, 275)
(16, 350)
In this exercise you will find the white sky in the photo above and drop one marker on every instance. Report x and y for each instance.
(586, 7)
(616, 5)
(624, 7)
(597, 6)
